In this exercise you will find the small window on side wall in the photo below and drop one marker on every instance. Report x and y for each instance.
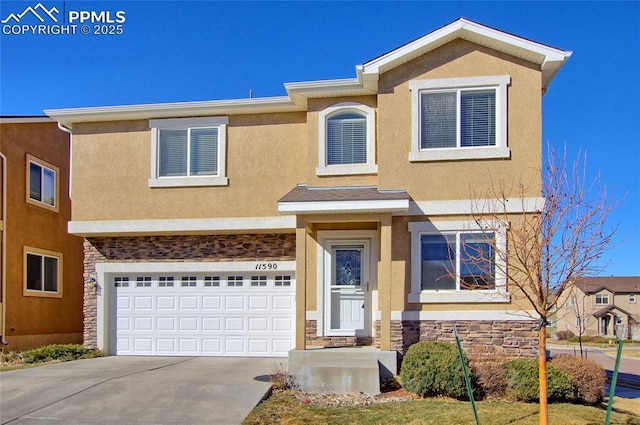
(347, 140)
(42, 273)
(42, 183)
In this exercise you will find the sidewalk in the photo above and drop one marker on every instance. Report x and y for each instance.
(628, 384)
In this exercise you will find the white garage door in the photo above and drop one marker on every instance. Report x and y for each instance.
(204, 314)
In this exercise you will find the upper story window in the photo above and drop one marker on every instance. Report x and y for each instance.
(602, 299)
(632, 298)
(188, 152)
(454, 262)
(347, 140)
(42, 183)
(42, 273)
(459, 118)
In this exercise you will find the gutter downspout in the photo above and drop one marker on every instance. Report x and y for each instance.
(4, 248)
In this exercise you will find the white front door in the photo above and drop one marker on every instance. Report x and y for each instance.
(348, 309)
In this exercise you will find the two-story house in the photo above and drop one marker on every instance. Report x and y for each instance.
(41, 285)
(332, 216)
(604, 306)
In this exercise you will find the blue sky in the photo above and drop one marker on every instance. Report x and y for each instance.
(171, 51)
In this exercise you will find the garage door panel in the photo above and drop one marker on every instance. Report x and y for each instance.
(282, 324)
(211, 324)
(166, 303)
(142, 324)
(143, 302)
(123, 302)
(258, 302)
(207, 317)
(188, 345)
(282, 302)
(210, 302)
(235, 302)
(212, 346)
(258, 324)
(188, 303)
(165, 324)
(166, 346)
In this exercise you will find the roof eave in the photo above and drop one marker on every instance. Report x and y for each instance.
(68, 117)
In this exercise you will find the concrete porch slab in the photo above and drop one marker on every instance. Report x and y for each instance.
(342, 370)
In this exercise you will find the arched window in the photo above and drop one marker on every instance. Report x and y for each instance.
(347, 140)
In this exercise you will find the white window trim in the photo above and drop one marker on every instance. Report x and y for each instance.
(41, 253)
(633, 298)
(602, 295)
(370, 167)
(45, 165)
(500, 150)
(184, 124)
(418, 295)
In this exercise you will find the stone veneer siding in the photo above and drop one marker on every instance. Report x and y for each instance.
(517, 338)
(512, 337)
(199, 248)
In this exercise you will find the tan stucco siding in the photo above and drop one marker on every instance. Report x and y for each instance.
(441, 180)
(112, 165)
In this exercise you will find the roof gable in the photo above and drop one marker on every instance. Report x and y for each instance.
(550, 59)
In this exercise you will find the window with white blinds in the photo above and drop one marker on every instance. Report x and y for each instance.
(346, 140)
(188, 152)
(459, 118)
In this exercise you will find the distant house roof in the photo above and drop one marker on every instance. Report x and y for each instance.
(614, 284)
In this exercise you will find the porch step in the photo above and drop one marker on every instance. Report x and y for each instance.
(341, 370)
(346, 377)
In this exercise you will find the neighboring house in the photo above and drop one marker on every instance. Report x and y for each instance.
(41, 266)
(604, 306)
(326, 217)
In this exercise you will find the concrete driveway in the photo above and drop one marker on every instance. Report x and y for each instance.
(136, 390)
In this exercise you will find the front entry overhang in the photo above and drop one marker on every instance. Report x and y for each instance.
(353, 199)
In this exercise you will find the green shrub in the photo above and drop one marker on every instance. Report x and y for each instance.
(433, 369)
(60, 352)
(587, 377)
(523, 383)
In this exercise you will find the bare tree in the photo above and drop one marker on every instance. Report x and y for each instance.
(549, 245)
(577, 312)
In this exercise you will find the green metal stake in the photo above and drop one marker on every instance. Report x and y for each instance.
(467, 379)
(614, 379)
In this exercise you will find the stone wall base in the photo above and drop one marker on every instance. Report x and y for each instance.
(313, 340)
(510, 337)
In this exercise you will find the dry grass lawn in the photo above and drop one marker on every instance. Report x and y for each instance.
(283, 407)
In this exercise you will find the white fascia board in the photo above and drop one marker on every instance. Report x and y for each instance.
(480, 206)
(330, 88)
(173, 110)
(323, 207)
(24, 120)
(181, 226)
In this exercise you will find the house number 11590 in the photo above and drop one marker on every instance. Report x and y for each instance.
(266, 266)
